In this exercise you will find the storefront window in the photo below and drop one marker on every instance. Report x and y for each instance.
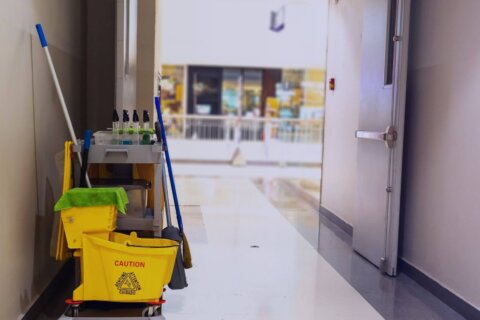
(231, 91)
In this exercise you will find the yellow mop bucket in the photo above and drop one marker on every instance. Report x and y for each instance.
(92, 211)
(115, 267)
(97, 221)
(125, 269)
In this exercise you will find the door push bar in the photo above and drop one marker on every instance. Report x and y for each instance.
(388, 137)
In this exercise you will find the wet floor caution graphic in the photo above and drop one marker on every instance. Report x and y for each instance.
(128, 283)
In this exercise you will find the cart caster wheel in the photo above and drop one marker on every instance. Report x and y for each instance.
(152, 311)
(75, 312)
(74, 307)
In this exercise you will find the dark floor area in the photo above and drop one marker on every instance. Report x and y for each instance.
(398, 298)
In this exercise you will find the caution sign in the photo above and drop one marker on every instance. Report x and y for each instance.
(128, 284)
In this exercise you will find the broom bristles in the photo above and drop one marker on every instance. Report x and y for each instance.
(187, 256)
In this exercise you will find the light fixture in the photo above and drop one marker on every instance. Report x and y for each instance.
(277, 20)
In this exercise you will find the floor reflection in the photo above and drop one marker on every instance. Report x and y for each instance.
(394, 298)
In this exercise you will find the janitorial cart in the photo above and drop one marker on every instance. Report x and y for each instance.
(122, 255)
(113, 266)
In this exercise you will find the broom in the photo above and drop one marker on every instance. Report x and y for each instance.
(187, 258)
(179, 279)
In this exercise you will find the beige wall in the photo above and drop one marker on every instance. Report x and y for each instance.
(147, 43)
(137, 89)
(342, 105)
(127, 83)
(442, 209)
(100, 62)
(31, 120)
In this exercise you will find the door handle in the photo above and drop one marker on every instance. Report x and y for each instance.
(388, 137)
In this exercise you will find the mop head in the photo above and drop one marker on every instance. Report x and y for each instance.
(187, 256)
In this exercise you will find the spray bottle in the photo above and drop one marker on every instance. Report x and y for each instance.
(136, 128)
(116, 130)
(126, 137)
(146, 128)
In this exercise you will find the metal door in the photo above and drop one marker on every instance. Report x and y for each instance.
(380, 131)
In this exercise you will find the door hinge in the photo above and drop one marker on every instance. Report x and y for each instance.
(397, 38)
(389, 190)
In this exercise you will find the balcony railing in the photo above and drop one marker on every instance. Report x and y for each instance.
(230, 128)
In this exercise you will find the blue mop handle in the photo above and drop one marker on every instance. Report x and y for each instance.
(169, 164)
(43, 42)
(41, 35)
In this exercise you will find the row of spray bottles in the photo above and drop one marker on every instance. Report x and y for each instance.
(130, 132)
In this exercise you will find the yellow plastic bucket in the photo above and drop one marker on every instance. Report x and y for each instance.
(125, 269)
(98, 221)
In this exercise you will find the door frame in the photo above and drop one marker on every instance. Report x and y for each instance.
(398, 120)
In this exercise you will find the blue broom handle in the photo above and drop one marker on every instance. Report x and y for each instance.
(169, 164)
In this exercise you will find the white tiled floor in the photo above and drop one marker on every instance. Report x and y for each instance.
(252, 171)
(284, 278)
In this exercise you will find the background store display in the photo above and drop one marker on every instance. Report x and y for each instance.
(248, 92)
(172, 82)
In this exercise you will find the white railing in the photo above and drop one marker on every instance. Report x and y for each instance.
(229, 128)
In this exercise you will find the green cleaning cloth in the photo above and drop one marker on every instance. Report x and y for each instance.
(93, 197)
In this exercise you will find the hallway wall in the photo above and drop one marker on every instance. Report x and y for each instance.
(32, 121)
(442, 208)
(148, 61)
(342, 105)
(100, 62)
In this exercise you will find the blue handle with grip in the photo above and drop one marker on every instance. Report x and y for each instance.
(169, 165)
(88, 138)
(86, 149)
(41, 35)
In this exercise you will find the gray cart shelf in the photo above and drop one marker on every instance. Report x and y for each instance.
(134, 154)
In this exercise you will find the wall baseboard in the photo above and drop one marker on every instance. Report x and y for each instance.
(63, 276)
(442, 293)
(446, 296)
(342, 224)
